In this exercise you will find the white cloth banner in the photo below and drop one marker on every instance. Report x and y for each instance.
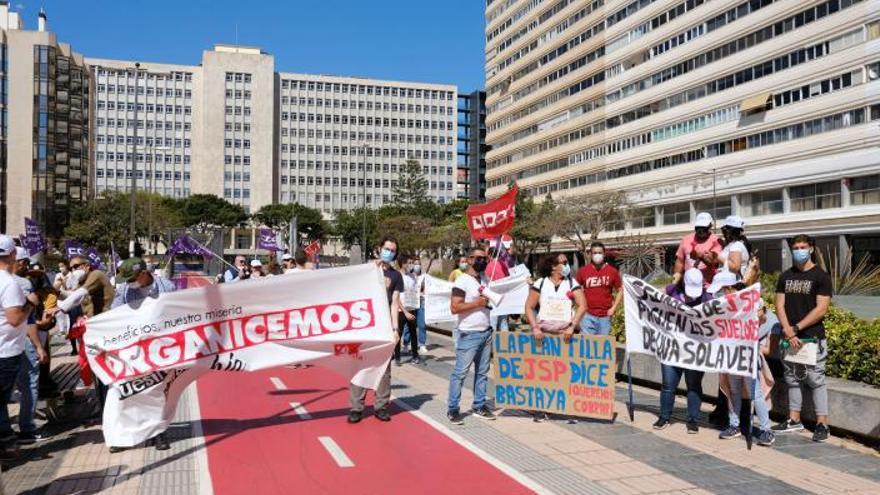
(515, 289)
(149, 352)
(437, 296)
(719, 335)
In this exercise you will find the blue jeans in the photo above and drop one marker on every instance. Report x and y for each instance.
(736, 385)
(595, 325)
(420, 326)
(9, 367)
(470, 347)
(28, 385)
(671, 377)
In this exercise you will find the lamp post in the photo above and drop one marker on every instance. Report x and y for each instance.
(131, 227)
(151, 149)
(365, 147)
(714, 194)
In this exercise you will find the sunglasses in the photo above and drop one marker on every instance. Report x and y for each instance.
(74, 267)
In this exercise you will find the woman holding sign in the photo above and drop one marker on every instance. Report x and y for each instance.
(555, 304)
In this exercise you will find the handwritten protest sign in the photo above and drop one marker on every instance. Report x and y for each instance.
(720, 335)
(437, 296)
(575, 378)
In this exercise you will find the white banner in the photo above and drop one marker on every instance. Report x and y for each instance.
(515, 288)
(149, 352)
(437, 296)
(720, 335)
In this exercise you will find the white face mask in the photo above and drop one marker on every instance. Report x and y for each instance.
(598, 258)
(79, 273)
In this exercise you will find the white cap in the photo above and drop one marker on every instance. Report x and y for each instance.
(722, 280)
(256, 263)
(703, 220)
(7, 245)
(21, 254)
(693, 283)
(286, 257)
(734, 221)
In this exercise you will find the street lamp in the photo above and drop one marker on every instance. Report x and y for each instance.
(151, 149)
(365, 147)
(714, 195)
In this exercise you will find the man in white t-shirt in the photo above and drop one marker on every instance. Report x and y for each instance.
(14, 312)
(473, 337)
(296, 263)
(34, 355)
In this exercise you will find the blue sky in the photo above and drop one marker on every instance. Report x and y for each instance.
(418, 40)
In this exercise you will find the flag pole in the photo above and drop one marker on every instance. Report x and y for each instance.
(630, 406)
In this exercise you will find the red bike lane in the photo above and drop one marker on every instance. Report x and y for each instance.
(258, 442)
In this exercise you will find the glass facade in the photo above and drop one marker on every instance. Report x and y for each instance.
(471, 147)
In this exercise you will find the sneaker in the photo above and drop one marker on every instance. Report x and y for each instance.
(29, 438)
(415, 360)
(572, 421)
(383, 414)
(8, 454)
(820, 434)
(766, 438)
(423, 349)
(788, 425)
(455, 417)
(485, 413)
(730, 432)
(355, 416)
(116, 450)
(397, 362)
(160, 441)
(692, 428)
(9, 438)
(661, 424)
(540, 417)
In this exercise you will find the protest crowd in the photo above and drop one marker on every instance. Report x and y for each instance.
(555, 304)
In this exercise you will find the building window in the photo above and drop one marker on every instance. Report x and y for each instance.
(815, 196)
(865, 190)
(722, 210)
(677, 213)
(642, 219)
(762, 203)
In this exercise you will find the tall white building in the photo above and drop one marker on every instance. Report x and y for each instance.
(766, 109)
(234, 127)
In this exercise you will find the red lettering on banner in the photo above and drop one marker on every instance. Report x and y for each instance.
(151, 354)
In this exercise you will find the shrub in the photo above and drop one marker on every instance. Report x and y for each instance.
(853, 347)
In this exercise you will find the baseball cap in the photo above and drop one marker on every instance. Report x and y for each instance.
(693, 283)
(734, 221)
(256, 263)
(704, 219)
(7, 245)
(21, 254)
(286, 257)
(130, 269)
(722, 280)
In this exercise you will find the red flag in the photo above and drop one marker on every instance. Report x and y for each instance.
(493, 218)
(312, 249)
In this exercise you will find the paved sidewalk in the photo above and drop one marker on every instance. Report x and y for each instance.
(590, 457)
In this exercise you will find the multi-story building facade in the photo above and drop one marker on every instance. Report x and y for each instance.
(234, 127)
(44, 126)
(766, 109)
(471, 175)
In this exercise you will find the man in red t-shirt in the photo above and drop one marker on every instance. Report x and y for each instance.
(699, 249)
(599, 280)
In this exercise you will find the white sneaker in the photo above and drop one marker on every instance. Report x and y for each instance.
(423, 350)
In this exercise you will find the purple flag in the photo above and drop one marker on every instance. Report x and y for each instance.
(73, 248)
(95, 259)
(187, 245)
(267, 240)
(34, 241)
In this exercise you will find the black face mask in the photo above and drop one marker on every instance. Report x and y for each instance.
(480, 264)
(701, 234)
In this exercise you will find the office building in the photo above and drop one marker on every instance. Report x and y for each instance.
(765, 109)
(471, 174)
(234, 127)
(44, 126)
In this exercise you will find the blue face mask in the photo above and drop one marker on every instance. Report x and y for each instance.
(800, 256)
(566, 270)
(387, 255)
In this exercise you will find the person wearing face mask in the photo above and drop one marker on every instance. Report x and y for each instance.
(461, 267)
(600, 280)
(496, 269)
(408, 331)
(737, 250)
(393, 288)
(135, 283)
(65, 283)
(555, 304)
(473, 338)
(415, 271)
(699, 249)
(97, 284)
(803, 295)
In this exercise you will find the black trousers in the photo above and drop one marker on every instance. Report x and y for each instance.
(402, 325)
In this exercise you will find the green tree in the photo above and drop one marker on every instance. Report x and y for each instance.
(412, 186)
(201, 211)
(348, 226)
(310, 222)
(534, 226)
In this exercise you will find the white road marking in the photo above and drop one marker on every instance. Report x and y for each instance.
(278, 383)
(300, 410)
(336, 452)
